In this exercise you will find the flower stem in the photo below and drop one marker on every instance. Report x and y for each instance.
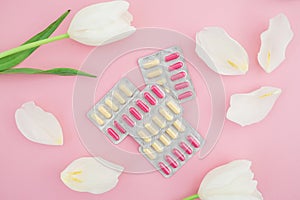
(32, 45)
(195, 196)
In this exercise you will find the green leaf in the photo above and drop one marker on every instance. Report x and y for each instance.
(56, 71)
(15, 59)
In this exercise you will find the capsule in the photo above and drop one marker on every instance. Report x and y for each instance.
(172, 56)
(179, 126)
(172, 133)
(157, 147)
(119, 127)
(144, 136)
(149, 153)
(165, 140)
(164, 168)
(142, 106)
(168, 116)
(128, 121)
(193, 141)
(126, 90)
(180, 86)
(154, 73)
(171, 162)
(161, 81)
(113, 134)
(97, 119)
(152, 129)
(135, 113)
(150, 98)
(173, 106)
(111, 105)
(178, 154)
(175, 66)
(185, 95)
(157, 91)
(151, 64)
(178, 76)
(186, 148)
(160, 123)
(118, 96)
(104, 112)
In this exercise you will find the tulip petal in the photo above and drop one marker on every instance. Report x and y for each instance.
(91, 174)
(38, 125)
(274, 42)
(102, 23)
(233, 181)
(249, 108)
(220, 52)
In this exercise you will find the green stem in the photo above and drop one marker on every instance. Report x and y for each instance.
(195, 196)
(32, 45)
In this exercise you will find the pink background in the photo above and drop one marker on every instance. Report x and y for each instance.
(31, 171)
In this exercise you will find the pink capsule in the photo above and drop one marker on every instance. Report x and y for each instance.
(178, 76)
(171, 57)
(193, 141)
(157, 91)
(171, 161)
(164, 168)
(182, 85)
(186, 148)
(150, 98)
(185, 95)
(119, 127)
(178, 154)
(128, 120)
(135, 113)
(142, 106)
(113, 134)
(175, 66)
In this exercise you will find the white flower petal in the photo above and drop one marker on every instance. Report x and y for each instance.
(38, 125)
(102, 23)
(249, 108)
(220, 52)
(233, 181)
(93, 175)
(274, 42)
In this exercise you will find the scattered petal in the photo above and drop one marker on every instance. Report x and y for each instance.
(220, 52)
(232, 181)
(249, 108)
(38, 125)
(91, 174)
(274, 42)
(102, 23)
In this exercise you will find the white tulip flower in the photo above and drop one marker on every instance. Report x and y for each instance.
(38, 125)
(91, 174)
(102, 23)
(232, 181)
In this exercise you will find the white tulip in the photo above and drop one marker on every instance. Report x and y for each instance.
(232, 181)
(249, 108)
(37, 125)
(101, 23)
(220, 52)
(91, 174)
(274, 42)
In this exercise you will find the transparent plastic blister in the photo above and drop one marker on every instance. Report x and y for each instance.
(105, 114)
(168, 69)
(173, 148)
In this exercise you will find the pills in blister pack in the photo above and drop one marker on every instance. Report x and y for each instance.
(105, 114)
(174, 147)
(167, 68)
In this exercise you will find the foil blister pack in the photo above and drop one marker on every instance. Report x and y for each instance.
(168, 69)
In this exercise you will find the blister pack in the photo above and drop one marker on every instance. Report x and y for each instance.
(168, 69)
(105, 114)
